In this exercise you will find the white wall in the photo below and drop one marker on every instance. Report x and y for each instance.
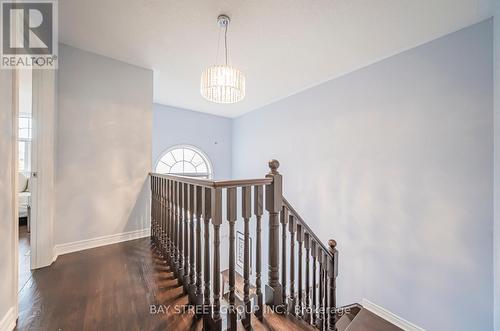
(394, 161)
(497, 166)
(211, 134)
(103, 146)
(7, 245)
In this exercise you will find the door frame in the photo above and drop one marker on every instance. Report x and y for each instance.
(15, 180)
(43, 152)
(43, 164)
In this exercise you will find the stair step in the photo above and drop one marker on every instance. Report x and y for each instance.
(271, 321)
(365, 320)
(345, 316)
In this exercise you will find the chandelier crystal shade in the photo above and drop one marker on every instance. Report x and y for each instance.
(222, 83)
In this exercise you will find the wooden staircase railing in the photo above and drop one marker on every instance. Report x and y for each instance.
(316, 302)
(184, 208)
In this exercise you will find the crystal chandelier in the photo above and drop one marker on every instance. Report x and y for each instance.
(222, 83)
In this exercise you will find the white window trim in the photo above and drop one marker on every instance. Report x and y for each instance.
(210, 167)
(27, 151)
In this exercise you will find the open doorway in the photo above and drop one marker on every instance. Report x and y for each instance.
(33, 145)
(25, 174)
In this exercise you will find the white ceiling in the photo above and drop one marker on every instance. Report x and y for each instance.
(282, 46)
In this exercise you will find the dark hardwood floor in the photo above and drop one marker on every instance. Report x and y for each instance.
(127, 286)
(106, 288)
(24, 257)
(113, 288)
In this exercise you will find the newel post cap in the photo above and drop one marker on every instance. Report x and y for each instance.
(333, 266)
(274, 191)
(274, 165)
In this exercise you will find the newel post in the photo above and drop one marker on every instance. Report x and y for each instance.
(274, 202)
(333, 272)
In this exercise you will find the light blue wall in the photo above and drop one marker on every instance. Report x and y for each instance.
(103, 152)
(211, 134)
(395, 162)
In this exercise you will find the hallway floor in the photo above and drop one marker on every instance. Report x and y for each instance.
(106, 288)
(124, 286)
(24, 257)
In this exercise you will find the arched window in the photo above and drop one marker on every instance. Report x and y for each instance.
(184, 160)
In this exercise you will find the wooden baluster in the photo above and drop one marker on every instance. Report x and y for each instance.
(153, 208)
(325, 290)
(320, 324)
(274, 202)
(207, 309)
(173, 221)
(174, 225)
(151, 184)
(180, 275)
(159, 215)
(300, 239)
(162, 217)
(158, 220)
(284, 222)
(157, 208)
(155, 218)
(187, 215)
(292, 228)
(170, 227)
(258, 211)
(169, 219)
(216, 222)
(231, 218)
(307, 284)
(199, 211)
(246, 213)
(157, 212)
(332, 275)
(166, 211)
(176, 234)
(158, 202)
(192, 205)
(314, 306)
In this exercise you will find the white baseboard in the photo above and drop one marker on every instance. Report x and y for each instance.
(388, 316)
(99, 241)
(8, 321)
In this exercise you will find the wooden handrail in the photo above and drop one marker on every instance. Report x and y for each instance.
(306, 227)
(227, 183)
